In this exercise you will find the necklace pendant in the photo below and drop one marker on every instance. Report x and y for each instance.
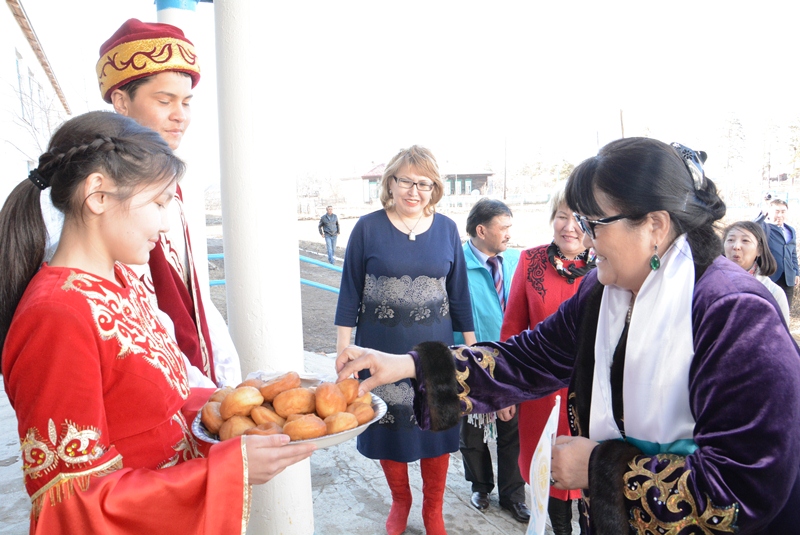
(412, 236)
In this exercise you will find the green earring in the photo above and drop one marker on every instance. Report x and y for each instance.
(655, 261)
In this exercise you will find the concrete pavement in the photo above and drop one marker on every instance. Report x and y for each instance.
(350, 494)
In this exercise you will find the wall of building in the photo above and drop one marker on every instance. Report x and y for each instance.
(29, 107)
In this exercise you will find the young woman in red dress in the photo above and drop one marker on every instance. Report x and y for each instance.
(97, 383)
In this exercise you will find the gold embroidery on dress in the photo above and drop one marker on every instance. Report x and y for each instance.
(64, 484)
(129, 322)
(185, 449)
(172, 461)
(638, 483)
(75, 447)
(188, 446)
(248, 490)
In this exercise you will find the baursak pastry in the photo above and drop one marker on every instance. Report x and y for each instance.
(341, 421)
(255, 383)
(235, 426)
(221, 393)
(269, 428)
(294, 401)
(261, 415)
(329, 400)
(366, 398)
(349, 388)
(270, 389)
(240, 402)
(307, 426)
(363, 412)
(210, 417)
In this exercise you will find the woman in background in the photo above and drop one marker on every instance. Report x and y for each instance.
(404, 281)
(746, 244)
(684, 383)
(546, 276)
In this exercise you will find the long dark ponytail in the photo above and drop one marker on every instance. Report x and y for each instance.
(132, 155)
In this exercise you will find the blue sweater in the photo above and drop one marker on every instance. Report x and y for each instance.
(486, 312)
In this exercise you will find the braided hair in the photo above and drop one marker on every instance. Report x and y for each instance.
(132, 155)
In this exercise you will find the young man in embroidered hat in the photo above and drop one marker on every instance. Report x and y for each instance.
(147, 72)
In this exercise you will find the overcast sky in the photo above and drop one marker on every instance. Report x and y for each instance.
(473, 80)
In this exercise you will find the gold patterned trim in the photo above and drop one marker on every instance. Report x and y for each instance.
(145, 57)
(640, 480)
(485, 358)
(462, 377)
(248, 490)
(77, 445)
(572, 414)
(63, 485)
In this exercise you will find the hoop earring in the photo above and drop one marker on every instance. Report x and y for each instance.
(655, 261)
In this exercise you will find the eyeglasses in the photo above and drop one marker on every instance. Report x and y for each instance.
(588, 225)
(406, 183)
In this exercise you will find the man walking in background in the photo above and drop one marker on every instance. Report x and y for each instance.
(782, 240)
(490, 266)
(329, 229)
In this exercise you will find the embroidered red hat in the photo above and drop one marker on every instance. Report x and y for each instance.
(140, 49)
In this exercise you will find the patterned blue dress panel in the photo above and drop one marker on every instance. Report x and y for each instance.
(398, 293)
(391, 301)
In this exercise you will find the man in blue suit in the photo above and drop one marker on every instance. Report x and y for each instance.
(782, 241)
(490, 266)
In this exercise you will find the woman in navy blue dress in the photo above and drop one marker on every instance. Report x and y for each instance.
(405, 282)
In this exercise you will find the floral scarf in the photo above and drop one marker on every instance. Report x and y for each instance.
(571, 272)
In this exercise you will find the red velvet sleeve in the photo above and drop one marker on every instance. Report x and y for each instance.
(205, 496)
(105, 447)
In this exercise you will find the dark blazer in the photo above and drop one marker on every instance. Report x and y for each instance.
(785, 253)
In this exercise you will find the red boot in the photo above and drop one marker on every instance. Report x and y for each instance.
(397, 477)
(434, 477)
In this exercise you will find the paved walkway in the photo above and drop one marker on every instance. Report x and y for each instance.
(349, 491)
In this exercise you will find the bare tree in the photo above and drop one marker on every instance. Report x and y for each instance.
(733, 139)
(38, 116)
(794, 148)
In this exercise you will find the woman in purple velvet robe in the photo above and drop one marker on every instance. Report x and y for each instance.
(684, 385)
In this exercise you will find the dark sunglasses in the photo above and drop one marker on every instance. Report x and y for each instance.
(588, 225)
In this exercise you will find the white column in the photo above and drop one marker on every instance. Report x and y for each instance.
(260, 237)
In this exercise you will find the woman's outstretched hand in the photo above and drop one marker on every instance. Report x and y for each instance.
(384, 368)
(268, 456)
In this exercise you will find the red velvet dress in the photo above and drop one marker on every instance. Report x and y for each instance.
(537, 290)
(99, 387)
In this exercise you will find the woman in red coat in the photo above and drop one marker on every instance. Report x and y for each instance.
(546, 276)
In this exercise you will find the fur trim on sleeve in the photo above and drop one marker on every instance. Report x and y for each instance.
(607, 467)
(438, 382)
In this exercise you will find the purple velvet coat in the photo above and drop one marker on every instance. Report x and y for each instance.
(745, 397)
